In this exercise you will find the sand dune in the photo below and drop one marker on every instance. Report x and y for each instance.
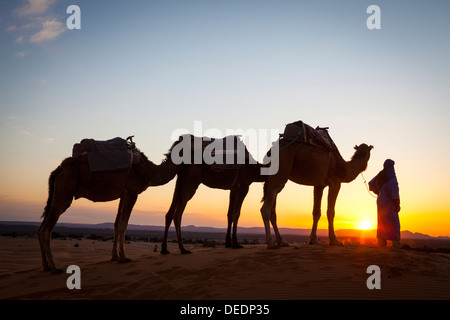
(296, 272)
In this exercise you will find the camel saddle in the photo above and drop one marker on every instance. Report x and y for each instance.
(113, 154)
(227, 151)
(299, 130)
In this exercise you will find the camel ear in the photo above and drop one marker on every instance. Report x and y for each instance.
(355, 147)
(370, 147)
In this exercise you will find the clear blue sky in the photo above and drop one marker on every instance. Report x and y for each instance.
(150, 67)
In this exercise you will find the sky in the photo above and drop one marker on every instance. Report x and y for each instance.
(149, 68)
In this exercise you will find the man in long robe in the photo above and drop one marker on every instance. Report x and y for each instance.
(385, 184)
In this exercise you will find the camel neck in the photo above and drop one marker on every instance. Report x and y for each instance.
(354, 167)
(158, 175)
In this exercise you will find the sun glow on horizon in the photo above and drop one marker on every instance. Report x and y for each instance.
(366, 225)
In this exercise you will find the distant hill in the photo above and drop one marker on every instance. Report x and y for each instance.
(10, 226)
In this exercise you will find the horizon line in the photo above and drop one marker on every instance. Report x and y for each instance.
(211, 227)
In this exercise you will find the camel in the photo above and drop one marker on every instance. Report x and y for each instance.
(313, 166)
(73, 179)
(237, 179)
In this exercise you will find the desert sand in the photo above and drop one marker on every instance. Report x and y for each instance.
(299, 271)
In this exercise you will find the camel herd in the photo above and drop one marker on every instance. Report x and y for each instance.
(300, 162)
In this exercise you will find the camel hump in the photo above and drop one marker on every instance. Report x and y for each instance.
(113, 154)
(306, 134)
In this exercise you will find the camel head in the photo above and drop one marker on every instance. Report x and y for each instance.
(363, 146)
(362, 152)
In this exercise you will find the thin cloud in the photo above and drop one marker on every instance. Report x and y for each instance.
(34, 7)
(19, 39)
(25, 133)
(22, 28)
(20, 54)
(11, 28)
(50, 30)
(36, 22)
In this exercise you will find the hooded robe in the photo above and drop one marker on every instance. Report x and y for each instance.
(386, 186)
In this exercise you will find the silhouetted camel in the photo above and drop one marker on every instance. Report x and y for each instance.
(236, 178)
(73, 179)
(313, 166)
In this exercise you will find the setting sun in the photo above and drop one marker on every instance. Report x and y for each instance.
(366, 225)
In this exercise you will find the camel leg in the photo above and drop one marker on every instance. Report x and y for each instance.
(62, 186)
(318, 193)
(169, 215)
(240, 196)
(273, 220)
(332, 196)
(169, 218)
(40, 234)
(177, 223)
(128, 204)
(230, 218)
(45, 234)
(115, 256)
(266, 213)
(188, 185)
(272, 187)
(177, 219)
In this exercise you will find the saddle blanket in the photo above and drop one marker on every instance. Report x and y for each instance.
(299, 130)
(225, 153)
(113, 154)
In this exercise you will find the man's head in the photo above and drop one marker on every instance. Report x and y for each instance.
(388, 164)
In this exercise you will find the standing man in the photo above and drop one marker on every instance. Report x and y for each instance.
(385, 185)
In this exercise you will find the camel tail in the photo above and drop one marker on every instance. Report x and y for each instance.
(51, 187)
